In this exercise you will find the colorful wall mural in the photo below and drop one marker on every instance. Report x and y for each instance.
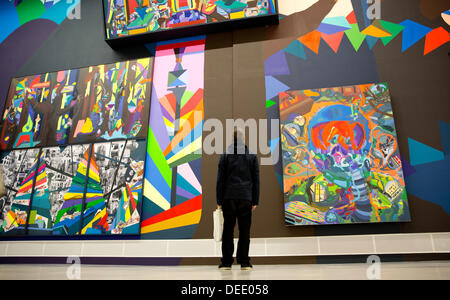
(341, 162)
(132, 17)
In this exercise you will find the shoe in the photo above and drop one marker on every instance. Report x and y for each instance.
(246, 267)
(224, 267)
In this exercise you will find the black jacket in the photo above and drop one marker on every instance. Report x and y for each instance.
(238, 175)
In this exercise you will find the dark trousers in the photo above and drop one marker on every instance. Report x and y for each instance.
(240, 210)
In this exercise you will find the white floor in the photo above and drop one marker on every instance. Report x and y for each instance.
(435, 270)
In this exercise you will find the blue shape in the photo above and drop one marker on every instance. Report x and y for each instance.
(296, 48)
(338, 21)
(371, 41)
(9, 20)
(274, 87)
(445, 136)
(141, 12)
(421, 154)
(330, 28)
(412, 33)
(277, 65)
(273, 144)
(430, 183)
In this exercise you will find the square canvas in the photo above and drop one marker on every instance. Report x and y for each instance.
(340, 155)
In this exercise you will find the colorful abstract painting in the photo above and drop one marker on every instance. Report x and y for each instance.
(132, 17)
(88, 189)
(172, 188)
(340, 156)
(86, 105)
(18, 169)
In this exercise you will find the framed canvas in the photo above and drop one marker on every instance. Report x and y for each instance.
(340, 155)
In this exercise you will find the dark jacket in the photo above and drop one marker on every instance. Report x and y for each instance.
(238, 175)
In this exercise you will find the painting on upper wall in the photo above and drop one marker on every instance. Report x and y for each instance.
(104, 102)
(127, 18)
(340, 156)
(19, 168)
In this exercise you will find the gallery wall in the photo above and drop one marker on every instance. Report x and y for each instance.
(235, 86)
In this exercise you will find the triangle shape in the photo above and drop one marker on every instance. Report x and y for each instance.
(351, 18)
(274, 87)
(277, 65)
(413, 33)
(436, 38)
(330, 28)
(270, 103)
(311, 40)
(371, 41)
(296, 48)
(355, 37)
(333, 40)
(393, 28)
(337, 21)
(421, 154)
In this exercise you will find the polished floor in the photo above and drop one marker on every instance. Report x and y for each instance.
(433, 270)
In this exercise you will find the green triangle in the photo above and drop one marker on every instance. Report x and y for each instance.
(393, 28)
(355, 36)
(172, 78)
(270, 103)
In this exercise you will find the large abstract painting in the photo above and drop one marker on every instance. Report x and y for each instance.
(132, 17)
(86, 105)
(88, 189)
(340, 156)
(172, 189)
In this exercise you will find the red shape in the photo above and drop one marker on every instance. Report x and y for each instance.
(182, 209)
(311, 40)
(333, 40)
(181, 45)
(436, 38)
(351, 18)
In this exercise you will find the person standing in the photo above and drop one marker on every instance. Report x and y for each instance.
(237, 193)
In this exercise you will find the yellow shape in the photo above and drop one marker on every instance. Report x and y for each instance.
(87, 127)
(237, 15)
